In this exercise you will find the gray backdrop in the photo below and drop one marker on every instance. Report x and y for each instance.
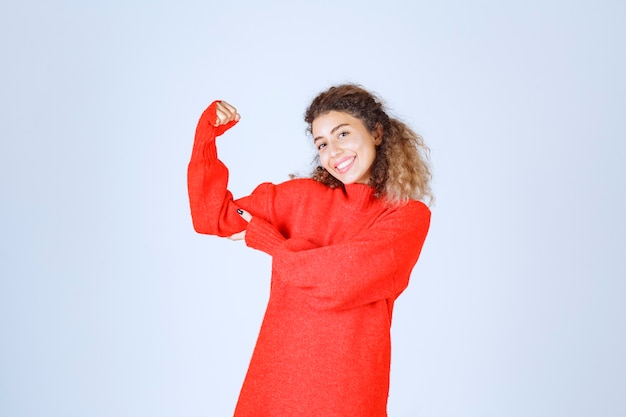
(111, 305)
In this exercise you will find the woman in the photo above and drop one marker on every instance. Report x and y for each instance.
(343, 245)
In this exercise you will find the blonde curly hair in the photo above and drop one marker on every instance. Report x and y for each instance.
(400, 171)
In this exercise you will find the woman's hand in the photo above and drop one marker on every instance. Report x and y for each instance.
(241, 235)
(225, 113)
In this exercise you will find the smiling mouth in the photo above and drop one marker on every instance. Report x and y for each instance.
(344, 165)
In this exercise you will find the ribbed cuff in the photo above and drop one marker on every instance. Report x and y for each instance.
(263, 236)
(206, 133)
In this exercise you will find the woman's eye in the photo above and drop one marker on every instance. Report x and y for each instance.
(343, 134)
(321, 146)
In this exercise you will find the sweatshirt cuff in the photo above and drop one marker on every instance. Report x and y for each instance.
(208, 119)
(206, 132)
(263, 236)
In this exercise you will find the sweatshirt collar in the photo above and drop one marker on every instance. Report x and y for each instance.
(361, 195)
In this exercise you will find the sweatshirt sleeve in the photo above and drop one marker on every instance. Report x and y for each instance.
(213, 210)
(374, 265)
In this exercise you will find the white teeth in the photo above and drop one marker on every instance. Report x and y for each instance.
(345, 163)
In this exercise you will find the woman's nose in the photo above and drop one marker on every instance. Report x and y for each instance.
(335, 150)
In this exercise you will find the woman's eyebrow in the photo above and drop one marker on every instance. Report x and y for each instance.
(331, 132)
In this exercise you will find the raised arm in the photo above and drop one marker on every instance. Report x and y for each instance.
(374, 265)
(212, 208)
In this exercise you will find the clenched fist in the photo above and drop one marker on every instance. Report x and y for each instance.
(225, 113)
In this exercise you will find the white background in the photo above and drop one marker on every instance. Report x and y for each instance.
(112, 306)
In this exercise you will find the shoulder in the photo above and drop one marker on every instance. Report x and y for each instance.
(299, 190)
(410, 206)
(412, 212)
(303, 184)
(419, 207)
(292, 202)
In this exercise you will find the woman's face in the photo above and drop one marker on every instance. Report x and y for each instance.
(346, 148)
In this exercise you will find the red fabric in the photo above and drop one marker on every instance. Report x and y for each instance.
(340, 258)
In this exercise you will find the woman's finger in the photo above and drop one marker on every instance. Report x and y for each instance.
(244, 215)
(238, 236)
(225, 113)
(227, 106)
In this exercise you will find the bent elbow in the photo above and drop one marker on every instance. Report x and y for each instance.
(201, 227)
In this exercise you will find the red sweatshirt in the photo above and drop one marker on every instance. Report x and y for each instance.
(340, 258)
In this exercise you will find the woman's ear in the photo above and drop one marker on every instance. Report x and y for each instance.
(378, 134)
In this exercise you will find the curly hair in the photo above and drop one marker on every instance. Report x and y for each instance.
(400, 170)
